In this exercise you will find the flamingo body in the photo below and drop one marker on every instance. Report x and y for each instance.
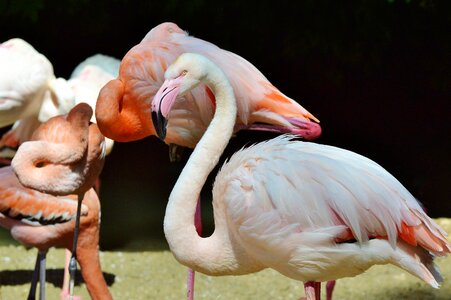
(123, 107)
(24, 80)
(44, 221)
(84, 85)
(312, 212)
(64, 157)
(294, 205)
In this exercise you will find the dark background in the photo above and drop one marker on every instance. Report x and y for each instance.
(376, 73)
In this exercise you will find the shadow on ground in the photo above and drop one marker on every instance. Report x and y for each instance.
(53, 276)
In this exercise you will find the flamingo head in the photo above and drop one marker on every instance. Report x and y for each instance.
(186, 73)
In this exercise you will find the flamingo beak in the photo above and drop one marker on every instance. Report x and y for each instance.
(162, 104)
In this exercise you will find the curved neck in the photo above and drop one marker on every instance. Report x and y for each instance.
(212, 255)
(122, 116)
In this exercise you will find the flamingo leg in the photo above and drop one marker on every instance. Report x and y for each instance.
(34, 280)
(65, 288)
(190, 284)
(312, 290)
(192, 273)
(42, 272)
(330, 285)
(73, 259)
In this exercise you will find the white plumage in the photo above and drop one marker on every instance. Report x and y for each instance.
(30, 94)
(291, 201)
(312, 212)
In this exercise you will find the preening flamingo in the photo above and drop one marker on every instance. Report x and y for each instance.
(43, 221)
(312, 212)
(65, 156)
(123, 106)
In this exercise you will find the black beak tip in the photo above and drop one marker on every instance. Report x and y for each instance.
(160, 123)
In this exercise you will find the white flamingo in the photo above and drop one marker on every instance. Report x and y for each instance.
(30, 77)
(26, 82)
(312, 212)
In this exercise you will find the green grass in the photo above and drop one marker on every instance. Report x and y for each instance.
(154, 274)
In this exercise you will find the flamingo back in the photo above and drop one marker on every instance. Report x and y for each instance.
(23, 80)
(286, 196)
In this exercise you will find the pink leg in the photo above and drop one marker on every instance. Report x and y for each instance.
(191, 273)
(64, 295)
(190, 292)
(65, 288)
(312, 290)
(330, 285)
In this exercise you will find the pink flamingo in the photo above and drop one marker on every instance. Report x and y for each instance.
(123, 106)
(43, 221)
(65, 156)
(312, 212)
(29, 76)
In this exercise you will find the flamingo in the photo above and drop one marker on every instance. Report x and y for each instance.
(29, 76)
(124, 103)
(43, 221)
(123, 106)
(312, 212)
(84, 85)
(26, 82)
(65, 156)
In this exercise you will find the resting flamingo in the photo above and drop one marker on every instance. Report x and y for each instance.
(312, 212)
(26, 82)
(43, 221)
(28, 79)
(123, 106)
(65, 156)
(84, 85)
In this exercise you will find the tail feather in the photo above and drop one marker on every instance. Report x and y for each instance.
(279, 103)
(419, 262)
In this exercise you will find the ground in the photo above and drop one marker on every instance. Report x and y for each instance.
(154, 274)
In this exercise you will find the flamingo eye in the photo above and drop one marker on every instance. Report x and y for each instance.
(184, 72)
(171, 30)
(40, 164)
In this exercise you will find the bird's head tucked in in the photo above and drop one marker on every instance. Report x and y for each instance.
(65, 155)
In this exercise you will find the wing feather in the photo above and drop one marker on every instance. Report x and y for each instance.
(279, 189)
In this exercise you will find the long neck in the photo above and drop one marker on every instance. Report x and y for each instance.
(212, 255)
